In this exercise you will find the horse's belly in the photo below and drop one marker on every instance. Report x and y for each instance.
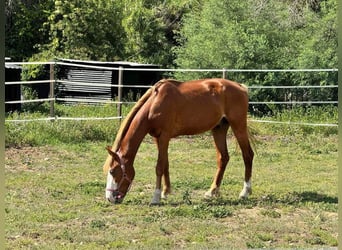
(196, 123)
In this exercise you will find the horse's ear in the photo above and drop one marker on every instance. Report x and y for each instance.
(112, 153)
(109, 149)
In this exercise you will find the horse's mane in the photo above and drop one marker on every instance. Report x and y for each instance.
(173, 81)
(244, 87)
(127, 121)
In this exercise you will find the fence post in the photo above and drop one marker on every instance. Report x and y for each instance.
(224, 73)
(52, 89)
(120, 84)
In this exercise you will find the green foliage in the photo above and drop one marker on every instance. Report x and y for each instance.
(195, 34)
(319, 44)
(49, 132)
(151, 27)
(256, 34)
(309, 114)
(262, 35)
(86, 30)
(29, 94)
(141, 30)
(24, 27)
(187, 34)
(234, 34)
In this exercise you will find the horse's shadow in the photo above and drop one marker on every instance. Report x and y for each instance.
(317, 198)
(292, 198)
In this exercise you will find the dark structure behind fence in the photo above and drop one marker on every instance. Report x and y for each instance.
(12, 92)
(82, 77)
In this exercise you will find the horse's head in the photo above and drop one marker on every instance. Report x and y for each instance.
(119, 180)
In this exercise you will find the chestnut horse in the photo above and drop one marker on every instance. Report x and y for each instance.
(169, 109)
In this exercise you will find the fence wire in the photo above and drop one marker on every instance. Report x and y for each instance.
(223, 71)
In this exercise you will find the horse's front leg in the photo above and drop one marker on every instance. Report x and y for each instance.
(214, 190)
(219, 134)
(162, 169)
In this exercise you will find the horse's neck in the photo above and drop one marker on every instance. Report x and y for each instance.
(134, 136)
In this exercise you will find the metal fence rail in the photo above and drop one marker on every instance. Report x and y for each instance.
(52, 82)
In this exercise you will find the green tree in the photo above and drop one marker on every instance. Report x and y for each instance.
(142, 30)
(262, 34)
(84, 30)
(89, 29)
(236, 34)
(318, 49)
(151, 28)
(24, 28)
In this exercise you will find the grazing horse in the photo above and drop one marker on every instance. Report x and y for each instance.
(169, 109)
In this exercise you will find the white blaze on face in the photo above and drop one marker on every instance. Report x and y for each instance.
(111, 185)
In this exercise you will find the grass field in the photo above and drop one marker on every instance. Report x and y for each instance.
(55, 194)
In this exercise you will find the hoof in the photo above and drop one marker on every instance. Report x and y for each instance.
(212, 194)
(241, 197)
(165, 193)
(208, 195)
(245, 193)
(156, 197)
(154, 204)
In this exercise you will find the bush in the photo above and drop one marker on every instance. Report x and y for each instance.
(71, 131)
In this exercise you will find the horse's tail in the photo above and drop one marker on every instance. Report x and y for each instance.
(127, 121)
(252, 132)
(244, 87)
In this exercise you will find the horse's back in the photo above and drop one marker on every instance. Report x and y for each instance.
(196, 106)
(212, 85)
(226, 93)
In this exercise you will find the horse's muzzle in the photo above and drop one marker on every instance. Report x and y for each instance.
(115, 197)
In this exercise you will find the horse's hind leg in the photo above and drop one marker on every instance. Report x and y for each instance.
(167, 184)
(220, 139)
(241, 134)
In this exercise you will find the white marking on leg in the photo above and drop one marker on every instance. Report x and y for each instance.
(247, 189)
(164, 195)
(208, 194)
(212, 193)
(111, 185)
(156, 197)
